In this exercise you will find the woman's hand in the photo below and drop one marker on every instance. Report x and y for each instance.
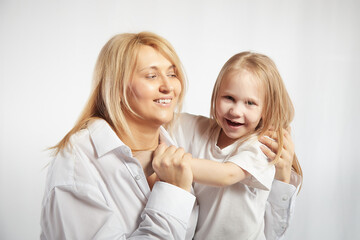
(284, 164)
(172, 165)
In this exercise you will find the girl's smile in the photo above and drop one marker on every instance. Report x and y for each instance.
(239, 106)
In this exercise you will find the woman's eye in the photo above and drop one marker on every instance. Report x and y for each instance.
(250, 103)
(172, 75)
(151, 76)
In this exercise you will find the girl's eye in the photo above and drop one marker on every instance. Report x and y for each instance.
(229, 98)
(250, 103)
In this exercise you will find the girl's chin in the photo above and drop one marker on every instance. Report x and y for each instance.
(234, 135)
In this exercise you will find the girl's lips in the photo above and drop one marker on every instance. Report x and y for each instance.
(233, 124)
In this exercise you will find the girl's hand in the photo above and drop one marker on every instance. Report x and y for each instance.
(284, 164)
(172, 165)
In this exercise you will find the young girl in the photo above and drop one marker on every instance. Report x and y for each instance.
(249, 97)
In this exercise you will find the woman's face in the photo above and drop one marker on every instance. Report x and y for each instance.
(154, 88)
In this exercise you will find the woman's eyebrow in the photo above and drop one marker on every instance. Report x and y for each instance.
(171, 67)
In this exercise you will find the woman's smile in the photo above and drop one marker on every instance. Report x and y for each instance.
(154, 88)
(164, 101)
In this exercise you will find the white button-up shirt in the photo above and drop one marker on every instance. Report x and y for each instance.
(190, 132)
(97, 190)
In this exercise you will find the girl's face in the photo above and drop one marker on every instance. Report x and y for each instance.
(154, 88)
(239, 105)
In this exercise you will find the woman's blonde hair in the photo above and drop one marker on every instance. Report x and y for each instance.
(278, 110)
(113, 72)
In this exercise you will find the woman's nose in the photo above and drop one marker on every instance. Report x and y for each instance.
(165, 86)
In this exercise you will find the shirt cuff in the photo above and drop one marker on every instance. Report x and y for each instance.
(281, 193)
(171, 200)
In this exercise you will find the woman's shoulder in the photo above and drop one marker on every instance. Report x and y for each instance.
(70, 166)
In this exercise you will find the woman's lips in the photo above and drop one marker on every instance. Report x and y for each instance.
(163, 101)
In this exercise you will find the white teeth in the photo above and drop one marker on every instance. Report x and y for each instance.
(163, 101)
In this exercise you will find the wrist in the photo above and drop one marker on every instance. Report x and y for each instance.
(282, 178)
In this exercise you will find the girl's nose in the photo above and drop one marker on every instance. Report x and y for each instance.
(237, 111)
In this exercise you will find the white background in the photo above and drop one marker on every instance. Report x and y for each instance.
(48, 50)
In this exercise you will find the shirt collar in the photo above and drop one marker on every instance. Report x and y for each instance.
(105, 139)
(165, 137)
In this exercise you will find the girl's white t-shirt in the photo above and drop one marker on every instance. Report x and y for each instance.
(236, 211)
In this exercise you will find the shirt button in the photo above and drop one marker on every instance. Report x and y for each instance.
(137, 177)
(283, 226)
(285, 198)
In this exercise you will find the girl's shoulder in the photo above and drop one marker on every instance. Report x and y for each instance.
(200, 123)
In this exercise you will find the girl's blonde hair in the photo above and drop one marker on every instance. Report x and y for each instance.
(113, 72)
(278, 110)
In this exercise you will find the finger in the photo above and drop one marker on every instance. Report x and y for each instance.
(178, 155)
(288, 129)
(185, 161)
(270, 143)
(270, 154)
(170, 150)
(160, 149)
(287, 134)
(161, 141)
(158, 157)
(285, 156)
(272, 134)
(187, 157)
(288, 143)
(165, 158)
(271, 128)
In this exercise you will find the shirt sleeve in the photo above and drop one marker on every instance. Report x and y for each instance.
(280, 207)
(250, 158)
(80, 212)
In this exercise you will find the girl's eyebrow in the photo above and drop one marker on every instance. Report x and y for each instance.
(247, 98)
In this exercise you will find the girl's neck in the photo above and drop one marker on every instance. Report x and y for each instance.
(223, 141)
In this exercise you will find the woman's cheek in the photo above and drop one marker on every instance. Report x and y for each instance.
(178, 88)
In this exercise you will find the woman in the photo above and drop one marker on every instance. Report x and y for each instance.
(98, 185)
(101, 184)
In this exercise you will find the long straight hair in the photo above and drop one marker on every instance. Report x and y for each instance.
(113, 72)
(278, 110)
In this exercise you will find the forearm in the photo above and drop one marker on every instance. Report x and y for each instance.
(161, 217)
(216, 174)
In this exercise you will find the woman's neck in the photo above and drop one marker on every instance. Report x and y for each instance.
(143, 138)
(143, 141)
